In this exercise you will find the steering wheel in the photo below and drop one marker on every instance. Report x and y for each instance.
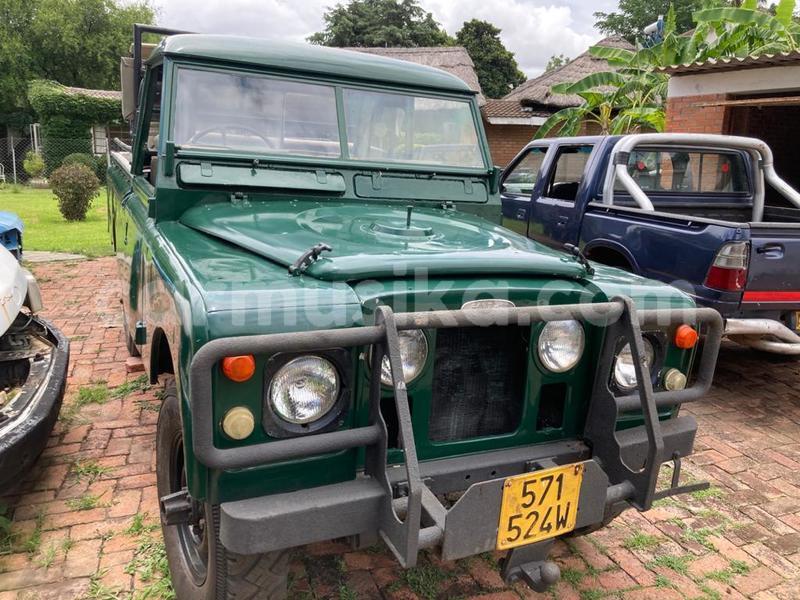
(222, 129)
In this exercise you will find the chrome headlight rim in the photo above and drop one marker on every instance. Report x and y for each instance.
(423, 364)
(546, 362)
(276, 426)
(651, 340)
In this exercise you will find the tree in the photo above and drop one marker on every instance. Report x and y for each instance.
(496, 67)
(633, 95)
(380, 23)
(74, 42)
(634, 15)
(556, 61)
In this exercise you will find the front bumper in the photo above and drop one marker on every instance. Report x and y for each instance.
(24, 434)
(401, 503)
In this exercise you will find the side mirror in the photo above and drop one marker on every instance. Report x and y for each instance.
(494, 179)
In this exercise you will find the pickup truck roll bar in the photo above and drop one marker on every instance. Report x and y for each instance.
(761, 153)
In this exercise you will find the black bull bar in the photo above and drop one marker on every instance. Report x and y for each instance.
(416, 519)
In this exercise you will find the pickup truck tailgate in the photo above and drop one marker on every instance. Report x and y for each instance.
(774, 274)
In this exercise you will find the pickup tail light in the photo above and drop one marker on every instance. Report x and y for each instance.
(729, 270)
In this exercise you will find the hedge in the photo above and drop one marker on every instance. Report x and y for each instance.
(67, 118)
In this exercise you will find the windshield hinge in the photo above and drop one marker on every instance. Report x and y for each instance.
(239, 198)
(448, 205)
(377, 182)
(468, 187)
(308, 258)
(206, 170)
(322, 177)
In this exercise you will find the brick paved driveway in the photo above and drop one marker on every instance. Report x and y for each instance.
(83, 519)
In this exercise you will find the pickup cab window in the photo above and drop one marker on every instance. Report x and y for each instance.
(521, 180)
(568, 172)
(681, 171)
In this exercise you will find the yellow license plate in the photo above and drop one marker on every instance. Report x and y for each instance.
(539, 505)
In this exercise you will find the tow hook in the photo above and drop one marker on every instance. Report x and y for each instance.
(530, 564)
(178, 508)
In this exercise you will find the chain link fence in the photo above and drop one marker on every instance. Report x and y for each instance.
(24, 161)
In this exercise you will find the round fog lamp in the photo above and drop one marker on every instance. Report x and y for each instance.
(674, 380)
(238, 423)
(304, 389)
(561, 345)
(413, 354)
(624, 370)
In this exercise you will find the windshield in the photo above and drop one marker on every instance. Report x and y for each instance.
(265, 115)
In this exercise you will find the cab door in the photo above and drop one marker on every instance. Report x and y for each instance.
(518, 186)
(555, 216)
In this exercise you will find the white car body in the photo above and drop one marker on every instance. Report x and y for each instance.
(18, 288)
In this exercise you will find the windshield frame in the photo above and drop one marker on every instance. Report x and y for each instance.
(338, 85)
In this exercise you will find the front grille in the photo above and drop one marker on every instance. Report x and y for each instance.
(478, 382)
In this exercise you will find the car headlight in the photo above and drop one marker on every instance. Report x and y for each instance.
(624, 371)
(304, 389)
(413, 354)
(561, 345)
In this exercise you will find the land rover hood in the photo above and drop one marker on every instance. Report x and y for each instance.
(371, 241)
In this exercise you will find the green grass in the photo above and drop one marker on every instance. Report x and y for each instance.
(46, 229)
(97, 393)
(149, 564)
(679, 564)
(88, 470)
(85, 502)
(642, 541)
(424, 580)
(708, 493)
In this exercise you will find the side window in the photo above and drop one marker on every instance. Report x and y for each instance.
(705, 172)
(568, 172)
(521, 180)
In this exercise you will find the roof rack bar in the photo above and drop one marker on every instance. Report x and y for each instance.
(138, 30)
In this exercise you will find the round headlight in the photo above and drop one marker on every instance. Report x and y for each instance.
(304, 389)
(624, 371)
(413, 354)
(561, 345)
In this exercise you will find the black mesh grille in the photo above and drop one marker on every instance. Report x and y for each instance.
(478, 382)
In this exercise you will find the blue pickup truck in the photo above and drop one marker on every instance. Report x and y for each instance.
(706, 213)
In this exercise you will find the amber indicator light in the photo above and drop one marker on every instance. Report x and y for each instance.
(239, 368)
(685, 337)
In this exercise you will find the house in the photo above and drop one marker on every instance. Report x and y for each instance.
(101, 132)
(751, 96)
(512, 121)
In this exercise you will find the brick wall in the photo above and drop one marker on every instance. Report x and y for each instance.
(505, 141)
(687, 114)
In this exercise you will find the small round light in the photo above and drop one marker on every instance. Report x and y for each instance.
(238, 423)
(624, 370)
(413, 354)
(685, 337)
(304, 389)
(674, 380)
(239, 368)
(561, 345)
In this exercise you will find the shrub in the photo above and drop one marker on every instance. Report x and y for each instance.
(75, 186)
(95, 163)
(33, 164)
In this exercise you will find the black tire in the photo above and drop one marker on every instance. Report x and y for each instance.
(200, 566)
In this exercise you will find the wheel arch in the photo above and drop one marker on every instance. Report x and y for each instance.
(162, 358)
(611, 253)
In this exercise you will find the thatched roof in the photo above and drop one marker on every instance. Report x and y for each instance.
(535, 93)
(453, 59)
(103, 94)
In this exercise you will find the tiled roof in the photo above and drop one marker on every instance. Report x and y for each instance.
(509, 109)
(733, 62)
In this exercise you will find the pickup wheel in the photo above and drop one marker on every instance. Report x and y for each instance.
(200, 566)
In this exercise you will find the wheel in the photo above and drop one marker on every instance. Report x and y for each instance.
(200, 566)
(129, 343)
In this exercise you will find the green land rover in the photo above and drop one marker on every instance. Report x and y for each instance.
(352, 346)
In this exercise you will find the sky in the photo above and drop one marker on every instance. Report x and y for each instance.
(534, 30)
